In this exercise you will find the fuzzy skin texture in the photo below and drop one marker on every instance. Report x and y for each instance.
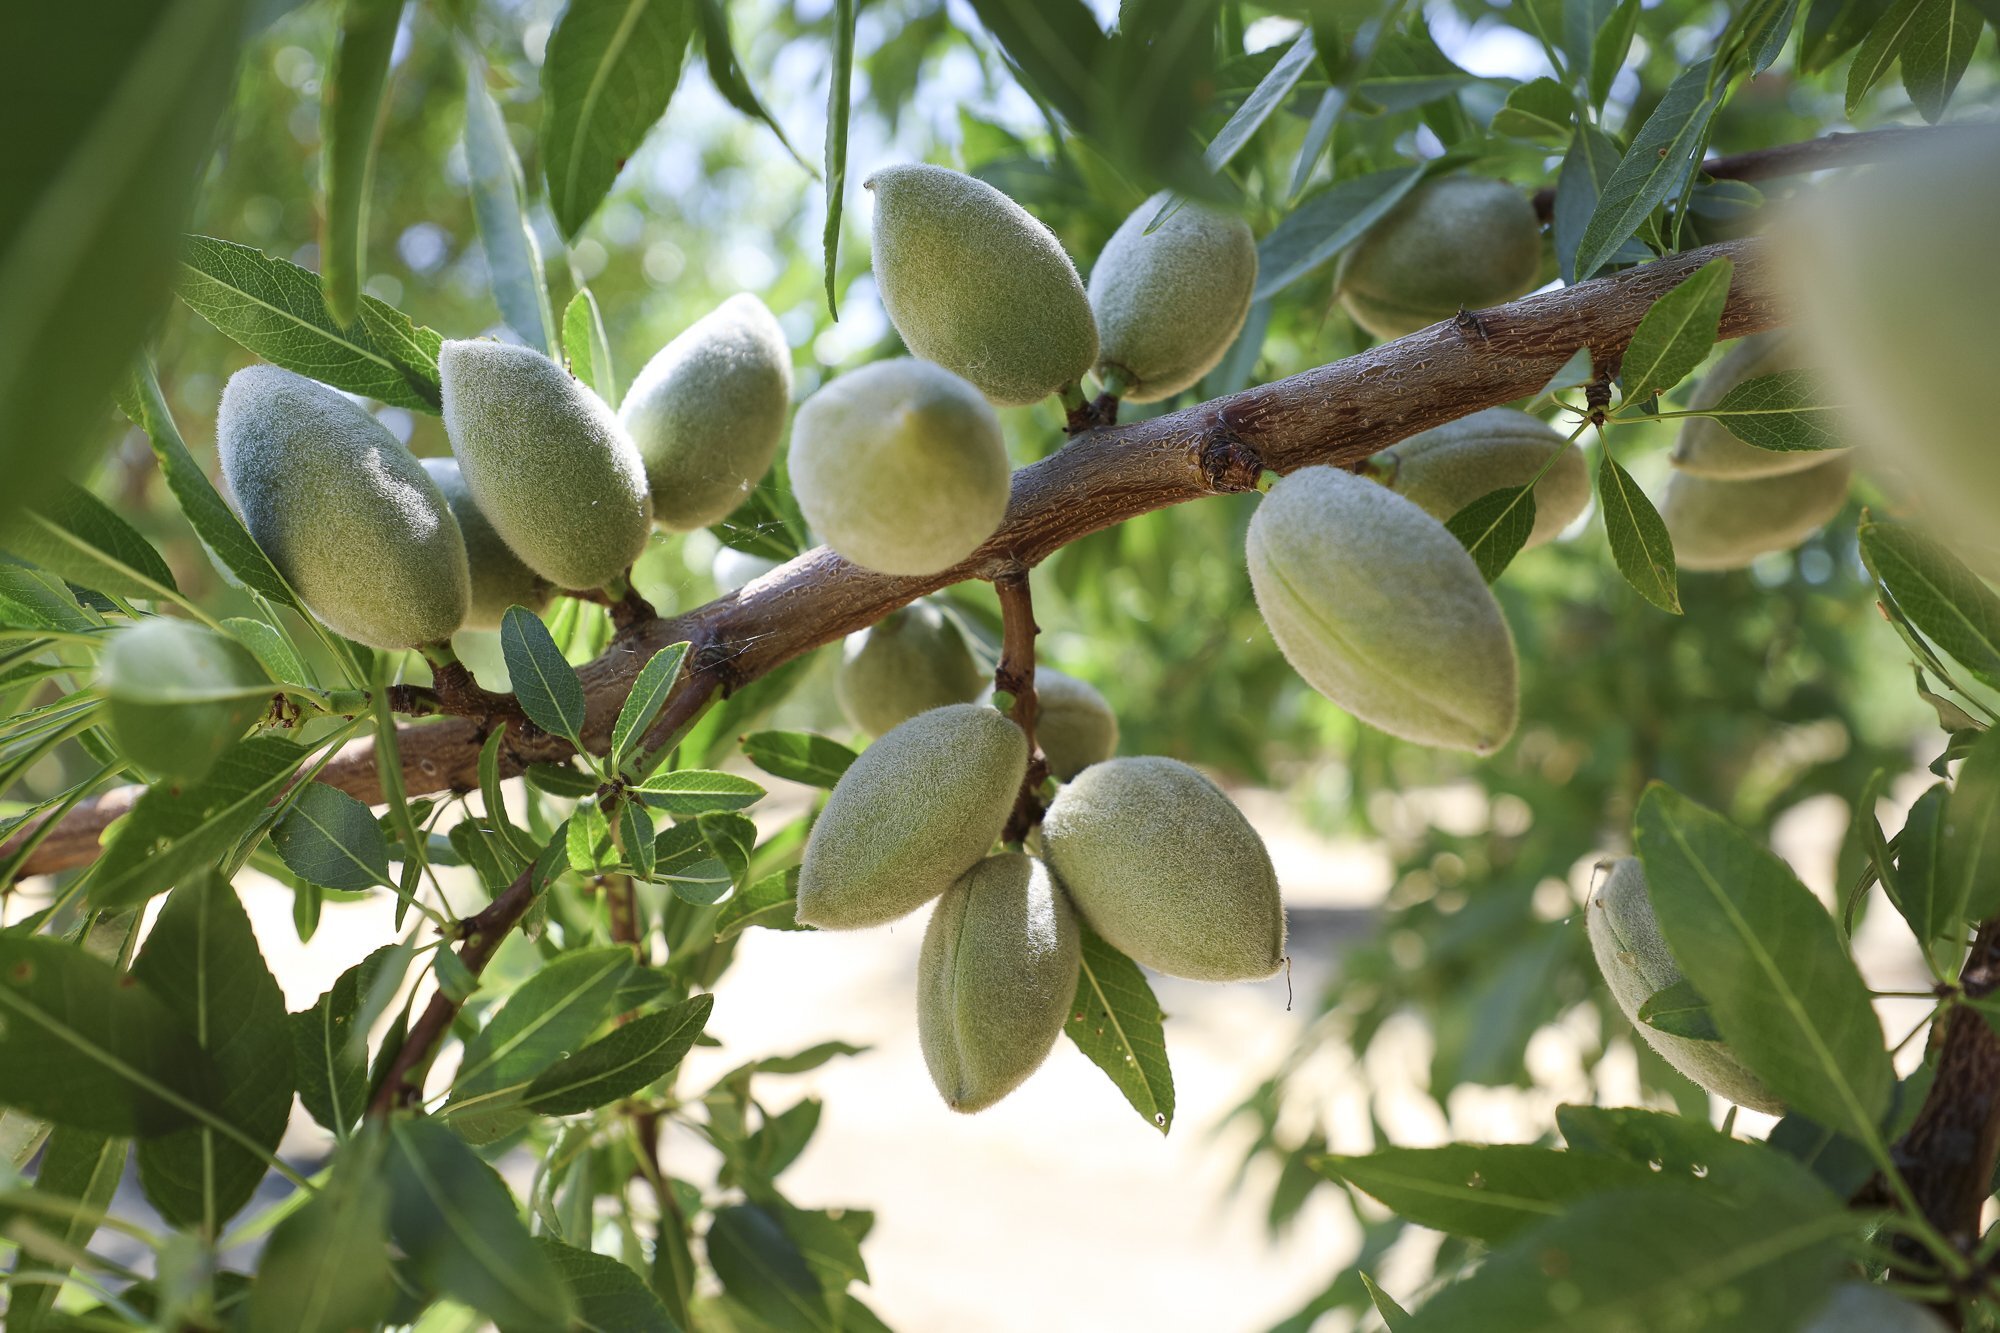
(707, 412)
(918, 809)
(351, 520)
(995, 979)
(900, 466)
(910, 662)
(1445, 469)
(1453, 241)
(1381, 610)
(546, 461)
(499, 579)
(1637, 965)
(976, 283)
(1908, 346)
(1074, 726)
(1705, 448)
(1727, 524)
(1863, 1307)
(1167, 870)
(1168, 305)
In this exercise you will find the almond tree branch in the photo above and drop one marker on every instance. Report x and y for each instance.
(1338, 414)
(1016, 676)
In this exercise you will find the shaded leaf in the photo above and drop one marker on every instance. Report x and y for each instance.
(609, 1297)
(760, 1266)
(726, 73)
(1117, 1023)
(551, 1013)
(1639, 541)
(326, 837)
(1394, 1316)
(839, 105)
(78, 1165)
(1969, 856)
(178, 695)
(1327, 223)
(544, 682)
(799, 756)
(1485, 1191)
(587, 346)
(1677, 332)
(1937, 52)
(326, 1269)
(500, 207)
(1495, 527)
(1270, 93)
(1539, 109)
(1782, 412)
(76, 535)
(772, 902)
(1652, 168)
(1680, 1011)
(329, 1043)
(1593, 155)
(1939, 594)
(1610, 47)
(683, 860)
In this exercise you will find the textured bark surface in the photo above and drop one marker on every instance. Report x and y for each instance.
(1338, 414)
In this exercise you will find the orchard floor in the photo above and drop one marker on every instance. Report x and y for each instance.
(1060, 1209)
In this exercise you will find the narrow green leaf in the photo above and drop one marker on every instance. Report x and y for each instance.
(221, 532)
(649, 694)
(275, 308)
(350, 108)
(610, 1298)
(1937, 53)
(1639, 541)
(763, 526)
(631, 1058)
(1610, 47)
(329, 1042)
(1485, 1191)
(799, 756)
(839, 106)
(1782, 412)
(1680, 1011)
(1677, 332)
(545, 683)
(1835, 27)
(1394, 1317)
(761, 1266)
(172, 832)
(77, 536)
(80, 1166)
(272, 648)
(202, 960)
(328, 838)
(610, 68)
(692, 791)
(1269, 94)
(1495, 527)
(82, 1045)
(1666, 1259)
(33, 600)
(1757, 943)
(1939, 594)
(731, 837)
(587, 346)
(726, 73)
(1538, 110)
(1327, 223)
(1918, 883)
(1055, 45)
(500, 207)
(635, 838)
(682, 860)
(112, 111)
(1970, 851)
(462, 1231)
(1652, 168)
(1757, 32)
(326, 1268)
(1586, 168)
(552, 1012)
(1117, 1023)
(1882, 47)
(772, 902)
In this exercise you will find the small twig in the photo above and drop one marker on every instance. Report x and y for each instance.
(1100, 411)
(1015, 676)
(481, 935)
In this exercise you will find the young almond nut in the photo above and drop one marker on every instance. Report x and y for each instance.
(900, 467)
(913, 813)
(995, 979)
(1863, 1307)
(1637, 965)
(1705, 446)
(975, 283)
(707, 412)
(1165, 867)
(1381, 610)
(546, 461)
(499, 579)
(1446, 468)
(911, 661)
(1074, 725)
(347, 515)
(1169, 302)
(1452, 242)
(1718, 524)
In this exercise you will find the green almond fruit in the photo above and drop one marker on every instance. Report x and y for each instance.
(1452, 242)
(1637, 965)
(1717, 524)
(1074, 725)
(1379, 608)
(900, 466)
(1169, 302)
(707, 412)
(1165, 867)
(913, 660)
(1445, 469)
(995, 979)
(499, 579)
(918, 809)
(546, 461)
(1706, 448)
(975, 283)
(347, 515)
(178, 695)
